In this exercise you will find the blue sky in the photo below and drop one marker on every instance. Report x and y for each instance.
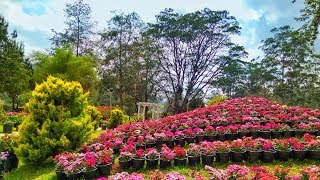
(34, 19)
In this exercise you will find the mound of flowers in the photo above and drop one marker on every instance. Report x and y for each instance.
(214, 133)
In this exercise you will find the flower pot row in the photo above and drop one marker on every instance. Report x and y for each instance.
(99, 171)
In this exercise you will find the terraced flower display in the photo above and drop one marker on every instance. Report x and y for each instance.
(237, 130)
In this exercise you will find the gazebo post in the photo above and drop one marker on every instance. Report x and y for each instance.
(144, 112)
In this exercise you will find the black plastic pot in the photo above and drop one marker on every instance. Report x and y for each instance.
(253, 156)
(232, 136)
(159, 144)
(164, 163)
(190, 140)
(317, 133)
(124, 165)
(7, 128)
(150, 145)
(222, 157)
(138, 163)
(90, 175)
(104, 170)
(299, 154)
(314, 154)
(194, 160)
(298, 133)
(309, 132)
(60, 175)
(287, 133)
(169, 143)
(200, 138)
(221, 137)
(243, 134)
(211, 138)
(180, 162)
(116, 151)
(180, 142)
(237, 156)
(11, 162)
(74, 176)
(254, 134)
(276, 134)
(283, 155)
(152, 163)
(265, 134)
(267, 156)
(207, 159)
(140, 146)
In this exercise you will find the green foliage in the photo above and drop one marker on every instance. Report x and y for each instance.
(217, 99)
(65, 65)
(2, 112)
(95, 115)
(58, 121)
(117, 117)
(14, 74)
(8, 143)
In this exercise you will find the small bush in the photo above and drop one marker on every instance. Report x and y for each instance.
(116, 118)
(216, 100)
(2, 113)
(95, 115)
(58, 121)
(105, 111)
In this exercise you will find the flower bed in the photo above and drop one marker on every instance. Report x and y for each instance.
(229, 120)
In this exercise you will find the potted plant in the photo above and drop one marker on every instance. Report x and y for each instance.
(61, 162)
(89, 165)
(314, 149)
(222, 151)
(221, 130)
(73, 169)
(140, 144)
(286, 131)
(232, 132)
(253, 148)
(104, 159)
(7, 144)
(180, 156)
(200, 135)
(283, 149)
(276, 130)
(150, 141)
(152, 158)
(207, 152)
(125, 160)
(117, 145)
(166, 156)
(179, 138)
(265, 132)
(138, 159)
(8, 125)
(298, 130)
(299, 150)
(190, 136)
(237, 150)
(193, 154)
(268, 152)
(159, 138)
(210, 133)
(169, 139)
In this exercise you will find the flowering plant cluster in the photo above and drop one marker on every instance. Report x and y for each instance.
(152, 154)
(237, 145)
(222, 147)
(140, 154)
(4, 156)
(180, 153)
(166, 153)
(208, 148)
(194, 150)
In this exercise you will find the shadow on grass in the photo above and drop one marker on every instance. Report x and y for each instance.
(31, 172)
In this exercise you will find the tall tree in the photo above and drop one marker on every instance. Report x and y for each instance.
(289, 58)
(117, 42)
(14, 73)
(195, 47)
(310, 14)
(79, 28)
(65, 65)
